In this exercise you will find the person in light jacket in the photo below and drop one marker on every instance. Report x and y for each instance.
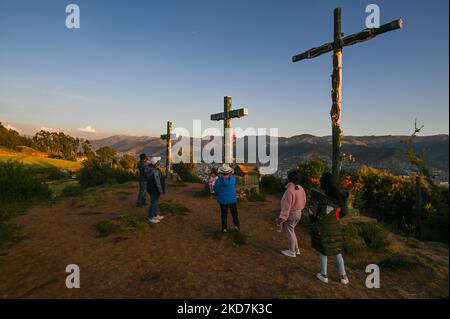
(225, 188)
(292, 204)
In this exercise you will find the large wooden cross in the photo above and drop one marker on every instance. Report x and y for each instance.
(336, 46)
(226, 117)
(168, 137)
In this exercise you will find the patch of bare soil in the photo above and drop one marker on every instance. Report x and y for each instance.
(182, 257)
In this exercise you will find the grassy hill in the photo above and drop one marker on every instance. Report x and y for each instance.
(29, 156)
(185, 256)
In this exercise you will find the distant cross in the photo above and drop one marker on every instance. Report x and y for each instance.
(168, 137)
(226, 117)
(336, 46)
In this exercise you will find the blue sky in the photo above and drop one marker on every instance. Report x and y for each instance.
(135, 64)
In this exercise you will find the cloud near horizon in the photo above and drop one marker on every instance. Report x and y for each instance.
(47, 129)
(10, 127)
(87, 129)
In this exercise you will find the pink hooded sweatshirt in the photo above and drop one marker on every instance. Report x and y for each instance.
(293, 200)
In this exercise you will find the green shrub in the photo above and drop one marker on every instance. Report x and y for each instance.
(374, 235)
(20, 183)
(106, 228)
(353, 244)
(360, 236)
(392, 199)
(96, 173)
(173, 208)
(187, 172)
(72, 191)
(271, 184)
(133, 221)
(237, 238)
(311, 169)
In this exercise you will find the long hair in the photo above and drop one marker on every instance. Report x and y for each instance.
(329, 185)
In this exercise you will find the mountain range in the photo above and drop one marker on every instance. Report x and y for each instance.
(382, 152)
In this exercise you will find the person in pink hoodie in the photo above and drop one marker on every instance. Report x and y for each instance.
(292, 205)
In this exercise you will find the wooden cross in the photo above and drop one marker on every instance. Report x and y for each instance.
(226, 117)
(168, 138)
(336, 46)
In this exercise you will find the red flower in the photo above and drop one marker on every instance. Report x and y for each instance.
(315, 181)
(347, 183)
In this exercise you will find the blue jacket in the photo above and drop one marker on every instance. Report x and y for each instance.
(226, 190)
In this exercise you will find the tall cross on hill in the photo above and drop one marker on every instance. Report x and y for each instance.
(336, 46)
(226, 117)
(168, 137)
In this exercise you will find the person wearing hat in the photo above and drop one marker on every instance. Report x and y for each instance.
(292, 204)
(225, 188)
(142, 194)
(155, 188)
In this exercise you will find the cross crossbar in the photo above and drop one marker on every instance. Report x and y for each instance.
(364, 35)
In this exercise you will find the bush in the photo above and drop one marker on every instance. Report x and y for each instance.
(374, 235)
(392, 199)
(187, 172)
(251, 195)
(72, 191)
(354, 244)
(173, 208)
(107, 228)
(20, 183)
(96, 173)
(360, 236)
(309, 170)
(271, 184)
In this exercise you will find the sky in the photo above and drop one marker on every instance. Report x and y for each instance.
(133, 65)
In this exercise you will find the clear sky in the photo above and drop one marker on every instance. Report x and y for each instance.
(135, 64)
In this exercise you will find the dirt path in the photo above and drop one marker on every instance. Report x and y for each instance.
(181, 258)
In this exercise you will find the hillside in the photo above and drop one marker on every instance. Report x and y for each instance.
(38, 159)
(185, 257)
(382, 152)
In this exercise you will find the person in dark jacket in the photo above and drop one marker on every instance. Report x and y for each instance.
(142, 194)
(225, 188)
(155, 188)
(326, 229)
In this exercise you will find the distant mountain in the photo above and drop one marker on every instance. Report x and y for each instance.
(382, 152)
(132, 145)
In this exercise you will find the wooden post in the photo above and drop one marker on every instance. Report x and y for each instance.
(169, 150)
(227, 141)
(418, 209)
(336, 95)
(226, 117)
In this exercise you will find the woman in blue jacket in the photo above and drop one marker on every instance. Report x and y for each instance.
(225, 188)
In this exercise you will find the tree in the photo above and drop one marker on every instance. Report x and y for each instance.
(86, 149)
(106, 155)
(12, 139)
(128, 163)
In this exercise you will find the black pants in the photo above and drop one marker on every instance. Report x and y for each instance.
(234, 213)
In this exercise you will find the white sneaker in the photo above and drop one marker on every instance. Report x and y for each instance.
(159, 217)
(153, 220)
(297, 252)
(288, 253)
(344, 280)
(322, 278)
